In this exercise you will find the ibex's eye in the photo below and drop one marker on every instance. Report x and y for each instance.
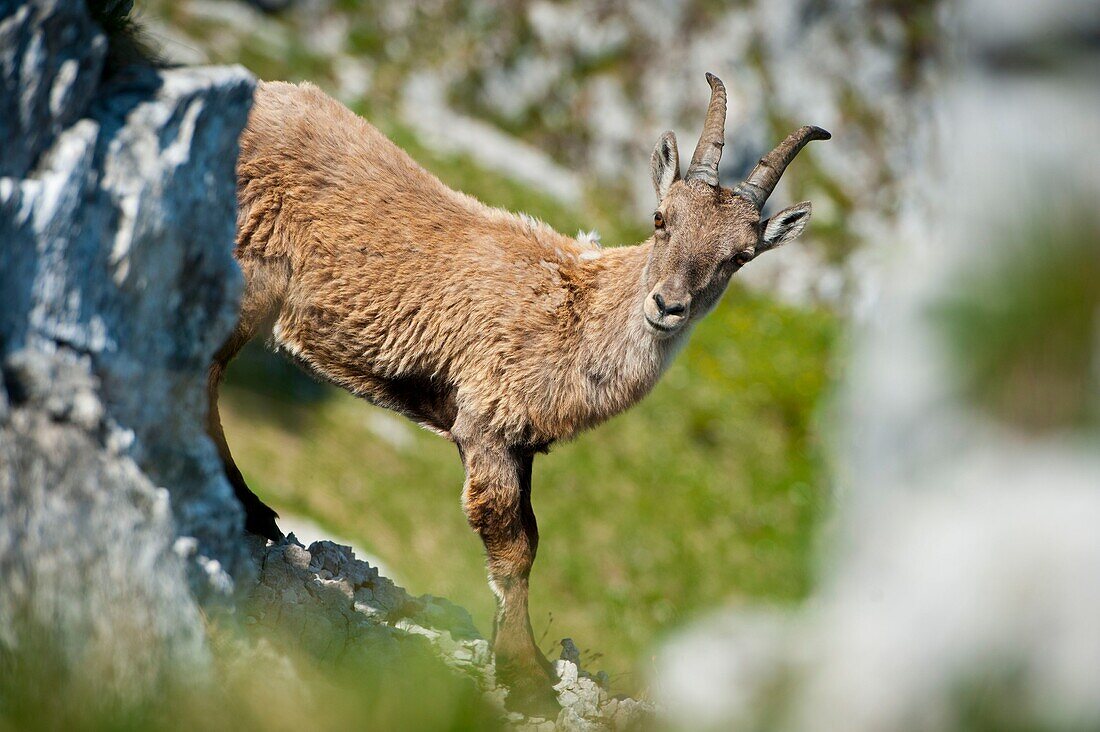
(743, 258)
(658, 220)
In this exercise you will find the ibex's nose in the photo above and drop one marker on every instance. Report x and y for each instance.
(676, 308)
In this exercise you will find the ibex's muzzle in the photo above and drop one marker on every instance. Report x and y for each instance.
(666, 310)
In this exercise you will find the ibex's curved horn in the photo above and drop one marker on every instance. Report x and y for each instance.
(704, 163)
(761, 181)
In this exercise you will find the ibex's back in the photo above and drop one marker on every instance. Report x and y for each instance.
(388, 283)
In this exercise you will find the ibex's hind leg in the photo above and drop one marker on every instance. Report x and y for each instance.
(262, 292)
(497, 501)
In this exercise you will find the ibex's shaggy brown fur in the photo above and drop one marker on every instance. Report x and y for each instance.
(488, 328)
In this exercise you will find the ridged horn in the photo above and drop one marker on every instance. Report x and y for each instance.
(762, 180)
(704, 163)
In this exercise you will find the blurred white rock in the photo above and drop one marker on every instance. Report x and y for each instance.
(959, 581)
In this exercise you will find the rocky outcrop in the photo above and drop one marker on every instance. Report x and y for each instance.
(326, 603)
(50, 57)
(117, 283)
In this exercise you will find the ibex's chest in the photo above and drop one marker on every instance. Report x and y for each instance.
(580, 394)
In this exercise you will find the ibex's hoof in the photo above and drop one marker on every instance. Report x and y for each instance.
(530, 681)
(533, 697)
(262, 523)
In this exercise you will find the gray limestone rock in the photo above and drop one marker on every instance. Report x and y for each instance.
(50, 58)
(117, 284)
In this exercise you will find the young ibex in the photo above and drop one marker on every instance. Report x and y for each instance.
(488, 328)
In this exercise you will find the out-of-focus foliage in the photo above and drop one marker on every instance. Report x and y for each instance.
(1023, 332)
(957, 591)
(252, 688)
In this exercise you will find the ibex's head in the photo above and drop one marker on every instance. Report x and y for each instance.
(703, 232)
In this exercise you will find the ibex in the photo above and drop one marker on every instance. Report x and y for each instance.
(487, 328)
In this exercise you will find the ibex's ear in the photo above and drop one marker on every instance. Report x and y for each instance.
(784, 226)
(664, 166)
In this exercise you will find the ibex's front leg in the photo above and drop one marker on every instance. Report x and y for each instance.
(497, 501)
(259, 518)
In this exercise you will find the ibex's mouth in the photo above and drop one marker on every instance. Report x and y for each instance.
(661, 328)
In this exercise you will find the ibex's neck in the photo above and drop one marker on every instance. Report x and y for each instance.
(620, 358)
